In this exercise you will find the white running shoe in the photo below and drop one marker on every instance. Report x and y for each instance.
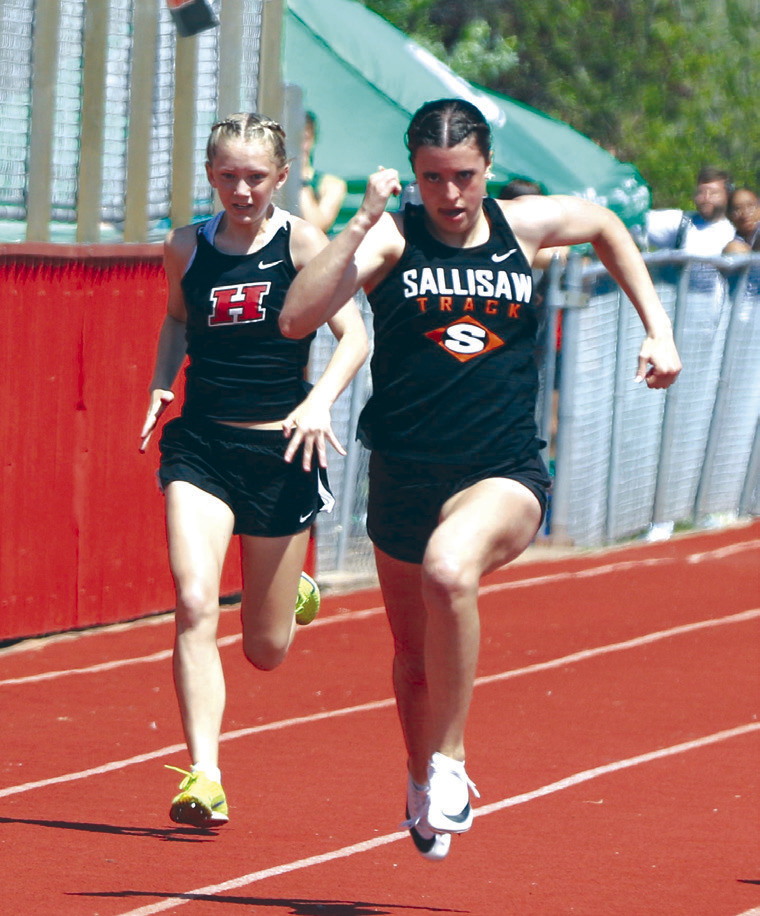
(449, 809)
(433, 846)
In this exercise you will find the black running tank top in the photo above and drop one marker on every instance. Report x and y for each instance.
(453, 370)
(242, 369)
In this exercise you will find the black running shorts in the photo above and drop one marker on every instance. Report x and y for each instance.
(406, 497)
(268, 496)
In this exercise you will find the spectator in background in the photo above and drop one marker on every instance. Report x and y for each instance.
(704, 232)
(322, 195)
(744, 213)
(518, 187)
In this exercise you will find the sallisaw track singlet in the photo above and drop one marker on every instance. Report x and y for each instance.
(454, 370)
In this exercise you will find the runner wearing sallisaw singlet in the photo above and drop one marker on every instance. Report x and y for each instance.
(457, 487)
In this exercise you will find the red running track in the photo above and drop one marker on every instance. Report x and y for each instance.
(614, 737)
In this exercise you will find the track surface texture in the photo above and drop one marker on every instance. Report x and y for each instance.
(614, 737)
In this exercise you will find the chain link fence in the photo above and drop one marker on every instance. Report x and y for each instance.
(65, 64)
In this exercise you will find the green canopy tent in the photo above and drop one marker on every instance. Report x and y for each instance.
(363, 79)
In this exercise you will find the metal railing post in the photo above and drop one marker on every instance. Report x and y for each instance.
(668, 422)
(730, 346)
(44, 75)
(560, 518)
(183, 134)
(90, 172)
(622, 377)
(270, 96)
(351, 462)
(231, 52)
(554, 302)
(141, 80)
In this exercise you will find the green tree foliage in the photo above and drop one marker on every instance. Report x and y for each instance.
(669, 85)
(473, 40)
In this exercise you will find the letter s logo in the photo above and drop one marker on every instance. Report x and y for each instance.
(465, 338)
(468, 339)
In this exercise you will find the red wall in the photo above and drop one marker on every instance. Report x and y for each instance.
(82, 537)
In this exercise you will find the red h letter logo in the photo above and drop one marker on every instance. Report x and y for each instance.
(238, 304)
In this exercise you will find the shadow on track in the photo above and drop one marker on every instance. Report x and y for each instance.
(171, 834)
(295, 907)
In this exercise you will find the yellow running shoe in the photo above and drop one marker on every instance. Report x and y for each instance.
(201, 802)
(307, 602)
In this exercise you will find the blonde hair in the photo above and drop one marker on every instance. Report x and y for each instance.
(249, 127)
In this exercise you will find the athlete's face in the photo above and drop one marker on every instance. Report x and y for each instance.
(245, 175)
(452, 185)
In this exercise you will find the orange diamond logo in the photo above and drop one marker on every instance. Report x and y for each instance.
(465, 338)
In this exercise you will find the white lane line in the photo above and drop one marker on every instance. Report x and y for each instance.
(164, 654)
(634, 643)
(353, 616)
(357, 848)
(624, 566)
(160, 656)
(176, 748)
(616, 766)
(719, 552)
(281, 724)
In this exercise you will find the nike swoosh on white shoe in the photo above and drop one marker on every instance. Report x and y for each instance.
(497, 258)
(462, 816)
(264, 265)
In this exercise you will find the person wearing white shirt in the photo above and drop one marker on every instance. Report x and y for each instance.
(705, 232)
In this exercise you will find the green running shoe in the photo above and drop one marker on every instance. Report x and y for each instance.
(200, 802)
(307, 602)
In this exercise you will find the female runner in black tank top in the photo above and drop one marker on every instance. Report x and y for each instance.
(242, 458)
(450, 420)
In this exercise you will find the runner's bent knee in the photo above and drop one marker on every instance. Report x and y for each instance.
(447, 573)
(266, 651)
